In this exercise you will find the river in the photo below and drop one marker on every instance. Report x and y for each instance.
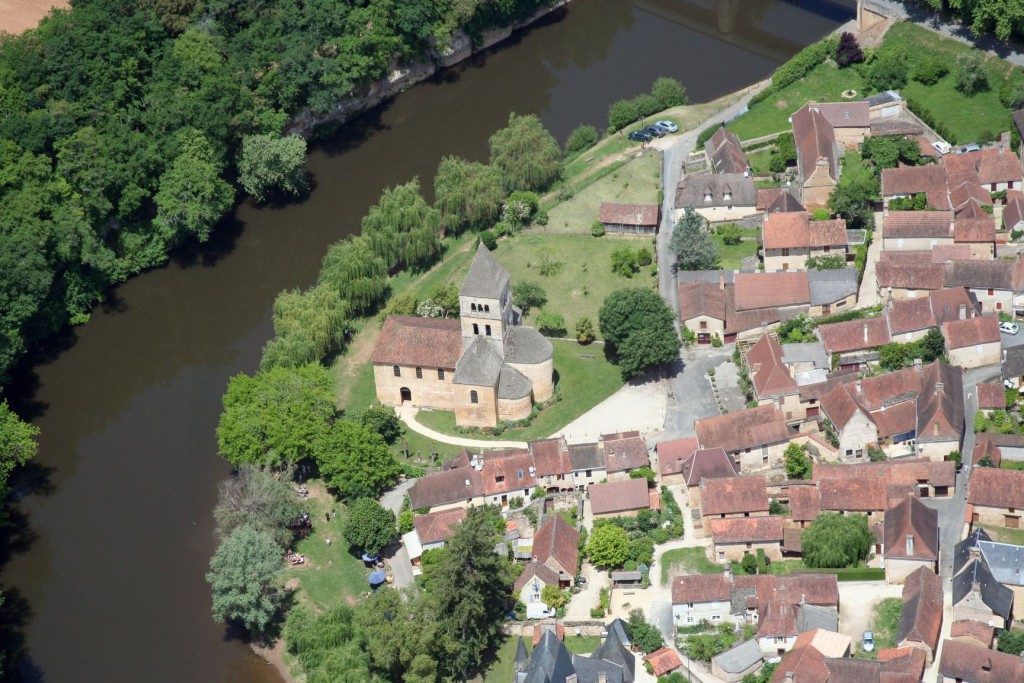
(106, 574)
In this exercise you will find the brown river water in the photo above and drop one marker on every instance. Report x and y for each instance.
(105, 577)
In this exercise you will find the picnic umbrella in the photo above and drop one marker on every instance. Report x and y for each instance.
(376, 578)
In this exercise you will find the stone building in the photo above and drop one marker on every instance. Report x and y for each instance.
(485, 366)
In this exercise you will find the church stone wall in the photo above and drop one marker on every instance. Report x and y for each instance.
(483, 413)
(514, 409)
(428, 392)
(541, 376)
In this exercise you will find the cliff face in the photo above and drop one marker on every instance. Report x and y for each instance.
(401, 78)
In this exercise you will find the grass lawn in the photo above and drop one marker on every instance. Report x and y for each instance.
(760, 160)
(885, 622)
(1004, 535)
(585, 277)
(730, 255)
(332, 573)
(635, 182)
(500, 670)
(686, 561)
(964, 117)
(584, 383)
(824, 83)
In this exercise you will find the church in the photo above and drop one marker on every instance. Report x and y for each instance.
(485, 366)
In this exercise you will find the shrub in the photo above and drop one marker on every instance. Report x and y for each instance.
(597, 229)
(716, 341)
(669, 93)
(985, 136)
(848, 52)
(581, 138)
(820, 214)
(888, 72)
(970, 73)
(541, 217)
(643, 256)
(730, 233)
(749, 564)
(1011, 95)
(930, 68)
(489, 239)
(528, 295)
(515, 503)
(621, 114)
(584, 331)
(550, 324)
(624, 262)
(528, 200)
(803, 62)
(705, 135)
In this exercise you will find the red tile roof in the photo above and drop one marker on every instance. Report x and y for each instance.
(733, 495)
(625, 452)
(908, 315)
(974, 230)
(785, 230)
(737, 431)
(969, 628)
(726, 152)
(767, 290)
(672, 454)
(700, 588)
(854, 114)
(550, 456)
(664, 661)
(701, 298)
(506, 471)
(447, 486)
(424, 342)
(911, 180)
(960, 334)
(983, 446)
(996, 488)
(863, 495)
(629, 214)
(547, 576)
(978, 274)
(910, 275)
(854, 335)
(556, 539)
(766, 196)
(438, 526)
(921, 619)
(941, 253)
(966, 662)
(911, 530)
(746, 530)
(815, 140)
(909, 224)
(1003, 167)
(619, 496)
(769, 375)
(804, 503)
(991, 396)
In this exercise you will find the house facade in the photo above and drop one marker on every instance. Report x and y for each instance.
(974, 342)
(788, 239)
(719, 198)
(911, 533)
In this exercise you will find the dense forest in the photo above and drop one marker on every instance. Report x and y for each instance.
(1004, 18)
(125, 127)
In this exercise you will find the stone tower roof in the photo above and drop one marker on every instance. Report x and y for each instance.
(486, 278)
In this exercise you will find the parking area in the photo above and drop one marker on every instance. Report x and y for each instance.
(691, 397)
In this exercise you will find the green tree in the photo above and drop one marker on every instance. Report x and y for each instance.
(932, 345)
(886, 151)
(257, 498)
(400, 629)
(608, 546)
(669, 93)
(402, 229)
(691, 242)
(584, 331)
(272, 418)
(643, 634)
(749, 564)
(356, 273)
(469, 194)
(327, 644)
(852, 200)
(244, 578)
(624, 262)
(369, 526)
(639, 325)
(192, 196)
(271, 164)
(892, 356)
(550, 324)
(354, 460)
(730, 234)
(970, 75)
(876, 454)
(581, 138)
(471, 584)
(525, 154)
(17, 446)
(553, 597)
(930, 69)
(621, 114)
(834, 540)
(888, 71)
(1011, 642)
(309, 327)
(528, 295)
(382, 420)
(798, 465)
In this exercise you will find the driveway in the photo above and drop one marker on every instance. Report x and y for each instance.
(690, 395)
(398, 556)
(639, 405)
(857, 600)
(868, 295)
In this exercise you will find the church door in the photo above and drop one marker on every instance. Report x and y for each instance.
(406, 394)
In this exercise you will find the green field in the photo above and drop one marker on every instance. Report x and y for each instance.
(584, 382)
(1004, 535)
(634, 182)
(730, 256)
(686, 561)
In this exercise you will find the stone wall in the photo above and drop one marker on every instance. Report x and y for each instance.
(427, 392)
(483, 413)
(541, 376)
(514, 409)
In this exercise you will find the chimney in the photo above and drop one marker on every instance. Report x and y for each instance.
(974, 553)
(939, 387)
(602, 677)
(865, 332)
(721, 280)
(963, 311)
(910, 544)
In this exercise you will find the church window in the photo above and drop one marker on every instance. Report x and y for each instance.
(474, 397)
(397, 371)
(476, 329)
(472, 307)
(487, 328)
(487, 308)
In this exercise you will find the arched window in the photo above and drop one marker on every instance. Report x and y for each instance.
(487, 308)
(476, 329)
(474, 397)
(397, 370)
(487, 328)
(472, 307)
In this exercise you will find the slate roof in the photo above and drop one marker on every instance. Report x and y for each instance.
(746, 530)
(511, 384)
(998, 488)
(815, 139)
(486, 278)
(830, 286)
(726, 152)
(590, 670)
(619, 496)
(550, 662)
(806, 352)
(911, 180)
(739, 658)
(991, 396)
(911, 224)
(550, 456)
(586, 456)
(969, 628)
(556, 539)
(615, 650)
(853, 335)
(480, 364)
(629, 214)
(994, 594)
(743, 429)
(625, 451)
(911, 519)
(768, 374)
(921, 619)
(526, 346)
(1018, 122)
(697, 588)
(701, 298)
(972, 664)
(692, 190)
(733, 495)
(852, 114)
(424, 342)
(769, 290)
(912, 275)
(438, 526)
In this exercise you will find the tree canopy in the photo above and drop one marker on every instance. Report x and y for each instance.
(308, 327)
(691, 242)
(468, 194)
(355, 460)
(525, 154)
(834, 540)
(369, 526)
(798, 465)
(639, 324)
(273, 418)
(270, 164)
(608, 546)
(402, 228)
(244, 577)
(259, 499)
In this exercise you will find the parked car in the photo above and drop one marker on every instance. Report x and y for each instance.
(655, 131)
(942, 147)
(868, 643)
(1009, 328)
(581, 581)
(667, 126)
(640, 136)
(970, 147)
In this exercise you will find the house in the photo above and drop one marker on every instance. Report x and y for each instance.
(551, 662)
(629, 219)
(1013, 367)
(430, 531)
(733, 497)
(991, 396)
(978, 233)
(732, 538)
(1018, 123)
(783, 607)
(808, 663)
(917, 230)
(722, 197)
(993, 169)
(458, 484)
(756, 437)
(777, 200)
(619, 498)
(908, 280)
(908, 181)
(556, 546)
(700, 597)
(921, 619)
(853, 335)
(484, 366)
(988, 579)
(994, 497)
(552, 464)
(884, 105)
(818, 155)
(850, 121)
(832, 291)
(985, 447)
(771, 290)
(507, 474)
(911, 532)
(910, 319)
(725, 152)
(1013, 212)
(529, 588)
(665, 660)
(974, 342)
(700, 465)
(788, 239)
(972, 632)
(740, 660)
(804, 504)
(624, 452)
(588, 464)
(991, 283)
(923, 404)
(702, 309)
(771, 380)
(965, 663)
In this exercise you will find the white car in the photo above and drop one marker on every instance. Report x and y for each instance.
(942, 147)
(1009, 328)
(868, 642)
(667, 126)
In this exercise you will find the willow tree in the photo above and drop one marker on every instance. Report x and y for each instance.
(469, 194)
(834, 540)
(356, 273)
(309, 326)
(526, 155)
(402, 228)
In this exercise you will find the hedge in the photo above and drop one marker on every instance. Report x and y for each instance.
(850, 573)
(803, 62)
(706, 134)
(931, 122)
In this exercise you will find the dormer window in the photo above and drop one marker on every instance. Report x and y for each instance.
(500, 478)
(707, 196)
(520, 473)
(727, 196)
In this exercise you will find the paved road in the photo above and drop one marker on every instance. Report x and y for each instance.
(398, 557)
(691, 396)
